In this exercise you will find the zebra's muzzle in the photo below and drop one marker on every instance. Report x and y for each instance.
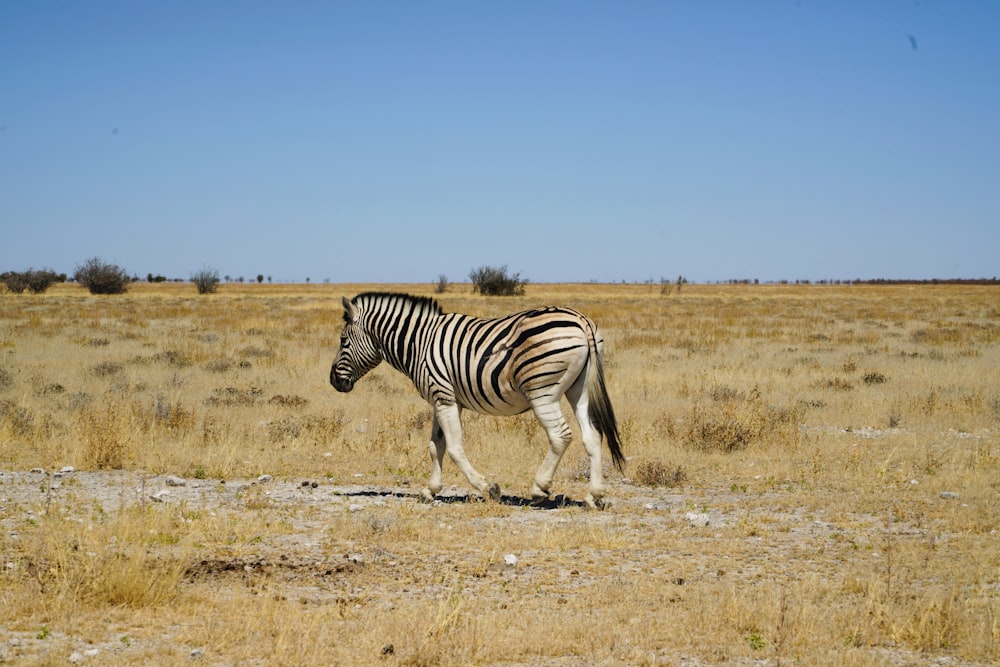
(341, 384)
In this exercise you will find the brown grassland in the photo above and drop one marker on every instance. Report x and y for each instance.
(813, 478)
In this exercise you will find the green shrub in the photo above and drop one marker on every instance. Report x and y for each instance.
(494, 281)
(99, 277)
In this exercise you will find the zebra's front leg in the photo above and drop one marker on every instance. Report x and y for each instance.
(437, 447)
(449, 419)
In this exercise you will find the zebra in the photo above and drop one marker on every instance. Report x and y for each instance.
(501, 366)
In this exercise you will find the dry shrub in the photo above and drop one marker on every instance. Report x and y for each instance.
(734, 424)
(62, 564)
(289, 401)
(874, 377)
(6, 379)
(658, 473)
(233, 396)
(106, 369)
(325, 428)
(285, 428)
(16, 419)
(172, 415)
(173, 358)
(218, 365)
(100, 277)
(109, 433)
(839, 384)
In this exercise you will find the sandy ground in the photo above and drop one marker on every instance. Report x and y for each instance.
(308, 569)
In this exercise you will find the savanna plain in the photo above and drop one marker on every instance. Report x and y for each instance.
(813, 478)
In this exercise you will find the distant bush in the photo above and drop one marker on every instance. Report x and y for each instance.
(14, 281)
(99, 277)
(206, 280)
(494, 281)
(441, 286)
(31, 280)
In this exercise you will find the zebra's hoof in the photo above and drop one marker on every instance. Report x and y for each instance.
(539, 497)
(595, 503)
(494, 492)
(426, 496)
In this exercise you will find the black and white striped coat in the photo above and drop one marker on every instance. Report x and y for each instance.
(497, 366)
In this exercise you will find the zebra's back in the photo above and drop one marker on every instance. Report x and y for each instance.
(496, 366)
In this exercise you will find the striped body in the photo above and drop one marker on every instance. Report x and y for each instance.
(500, 366)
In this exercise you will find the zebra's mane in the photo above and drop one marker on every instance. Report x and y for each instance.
(421, 303)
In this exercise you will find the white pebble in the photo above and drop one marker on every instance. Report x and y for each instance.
(949, 495)
(510, 560)
(67, 469)
(264, 479)
(174, 480)
(160, 496)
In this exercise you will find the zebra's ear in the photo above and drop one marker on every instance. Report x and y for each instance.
(350, 310)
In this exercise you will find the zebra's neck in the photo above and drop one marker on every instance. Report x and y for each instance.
(399, 322)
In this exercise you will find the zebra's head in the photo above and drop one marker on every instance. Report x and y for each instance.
(358, 351)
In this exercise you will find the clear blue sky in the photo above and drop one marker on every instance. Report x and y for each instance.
(569, 140)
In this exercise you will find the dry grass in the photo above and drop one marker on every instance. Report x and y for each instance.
(815, 427)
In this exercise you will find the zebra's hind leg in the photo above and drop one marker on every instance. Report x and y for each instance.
(448, 417)
(551, 418)
(580, 401)
(437, 448)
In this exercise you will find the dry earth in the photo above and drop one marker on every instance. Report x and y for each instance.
(305, 562)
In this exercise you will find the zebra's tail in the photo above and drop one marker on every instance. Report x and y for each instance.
(602, 414)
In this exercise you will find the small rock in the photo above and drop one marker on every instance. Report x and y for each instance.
(91, 652)
(76, 657)
(949, 495)
(174, 480)
(264, 479)
(388, 649)
(510, 560)
(697, 519)
(37, 471)
(355, 508)
(196, 654)
(160, 496)
(67, 469)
